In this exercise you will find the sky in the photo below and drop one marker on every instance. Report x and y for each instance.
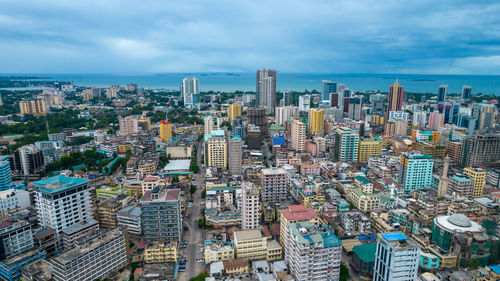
(362, 36)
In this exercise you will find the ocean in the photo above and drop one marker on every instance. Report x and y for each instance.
(230, 82)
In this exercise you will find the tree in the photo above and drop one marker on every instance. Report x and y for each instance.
(175, 179)
(192, 190)
(473, 264)
(344, 272)
(200, 277)
(203, 194)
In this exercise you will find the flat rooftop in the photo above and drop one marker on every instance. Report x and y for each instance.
(247, 234)
(308, 233)
(58, 183)
(177, 165)
(395, 236)
(162, 194)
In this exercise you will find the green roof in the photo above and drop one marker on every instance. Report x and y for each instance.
(361, 193)
(362, 179)
(58, 183)
(365, 252)
(386, 199)
(460, 179)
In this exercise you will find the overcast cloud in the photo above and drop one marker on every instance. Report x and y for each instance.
(363, 36)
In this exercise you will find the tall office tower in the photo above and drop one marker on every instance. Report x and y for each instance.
(369, 147)
(250, 206)
(235, 155)
(274, 185)
(478, 175)
(28, 160)
(443, 180)
(215, 151)
(396, 258)
(128, 125)
(378, 103)
(327, 88)
(348, 93)
(266, 89)
(295, 214)
(416, 171)
(287, 98)
(208, 124)
(5, 173)
(466, 93)
(419, 119)
(354, 110)
(97, 256)
(396, 97)
(316, 121)
(442, 91)
(481, 149)
(485, 114)
(165, 131)
(233, 111)
(62, 202)
(346, 144)
(190, 91)
(34, 106)
(284, 113)
(16, 237)
(304, 103)
(436, 120)
(298, 136)
(161, 214)
(334, 100)
(312, 252)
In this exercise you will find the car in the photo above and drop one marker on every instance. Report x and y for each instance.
(199, 260)
(186, 228)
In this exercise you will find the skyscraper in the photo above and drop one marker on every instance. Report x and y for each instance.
(298, 136)
(235, 147)
(165, 131)
(249, 206)
(478, 175)
(304, 103)
(396, 258)
(396, 97)
(442, 91)
(233, 111)
(287, 98)
(346, 144)
(416, 171)
(274, 185)
(190, 91)
(327, 88)
(215, 149)
(266, 89)
(316, 121)
(466, 92)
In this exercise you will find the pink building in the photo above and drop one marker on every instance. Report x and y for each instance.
(310, 169)
(436, 120)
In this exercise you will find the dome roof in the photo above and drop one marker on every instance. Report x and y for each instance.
(460, 220)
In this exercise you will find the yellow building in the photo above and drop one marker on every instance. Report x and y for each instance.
(295, 214)
(435, 150)
(378, 119)
(165, 131)
(34, 107)
(236, 267)
(218, 251)
(147, 167)
(252, 245)
(478, 175)
(233, 111)
(307, 196)
(363, 201)
(159, 252)
(123, 148)
(369, 147)
(316, 120)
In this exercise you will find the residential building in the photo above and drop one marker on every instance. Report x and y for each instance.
(105, 192)
(274, 185)
(295, 214)
(235, 155)
(481, 149)
(365, 202)
(161, 214)
(254, 137)
(419, 119)
(28, 160)
(298, 136)
(316, 121)
(252, 245)
(165, 131)
(215, 151)
(304, 103)
(266, 89)
(346, 144)
(218, 251)
(287, 98)
(250, 206)
(71, 234)
(62, 201)
(396, 258)
(436, 120)
(369, 147)
(16, 237)
(327, 88)
(284, 113)
(5, 173)
(478, 175)
(190, 90)
(161, 252)
(396, 98)
(12, 200)
(92, 259)
(354, 108)
(34, 106)
(416, 171)
(400, 128)
(461, 186)
(257, 116)
(108, 208)
(11, 268)
(363, 259)
(313, 252)
(233, 111)
(399, 115)
(208, 124)
(130, 218)
(129, 125)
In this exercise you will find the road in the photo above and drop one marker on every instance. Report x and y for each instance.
(196, 236)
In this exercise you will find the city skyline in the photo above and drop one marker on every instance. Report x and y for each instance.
(451, 38)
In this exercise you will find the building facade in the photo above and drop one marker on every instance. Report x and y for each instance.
(396, 258)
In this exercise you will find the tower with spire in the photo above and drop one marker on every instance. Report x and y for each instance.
(443, 180)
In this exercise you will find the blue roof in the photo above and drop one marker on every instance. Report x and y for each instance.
(495, 268)
(58, 183)
(395, 236)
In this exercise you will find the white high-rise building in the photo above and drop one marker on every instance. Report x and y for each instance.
(62, 202)
(304, 103)
(249, 206)
(298, 136)
(396, 258)
(283, 113)
(419, 118)
(190, 91)
(208, 124)
(266, 89)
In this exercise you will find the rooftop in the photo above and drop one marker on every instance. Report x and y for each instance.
(308, 233)
(247, 234)
(298, 213)
(161, 194)
(458, 223)
(58, 183)
(131, 211)
(178, 165)
(70, 230)
(395, 236)
(366, 252)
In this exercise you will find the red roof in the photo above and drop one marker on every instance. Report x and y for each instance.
(141, 244)
(173, 194)
(298, 212)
